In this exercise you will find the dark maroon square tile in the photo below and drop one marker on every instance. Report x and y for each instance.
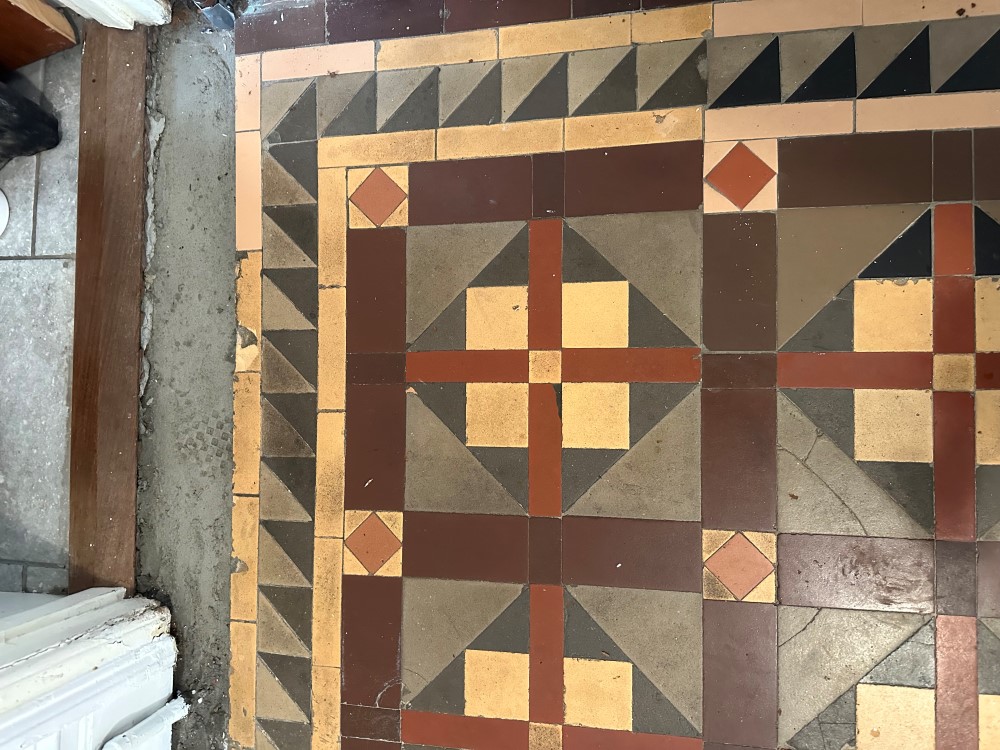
(544, 550)
(470, 190)
(376, 447)
(372, 619)
(369, 722)
(355, 743)
(953, 165)
(462, 15)
(373, 368)
(583, 8)
(352, 20)
(466, 547)
(986, 147)
(285, 27)
(548, 176)
(376, 290)
(738, 370)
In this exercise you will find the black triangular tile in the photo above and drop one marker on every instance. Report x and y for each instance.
(299, 476)
(509, 267)
(909, 73)
(987, 244)
(420, 109)
(358, 116)
(509, 632)
(300, 349)
(581, 469)
(581, 262)
(295, 675)
(649, 403)
(482, 106)
(909, 484)
(989, 660)
(286, 735)
(445, 694)
(980, 73)
(299, 285)
(294, 604)
(987, 498)
(299, 160)
(760, 83)
(549, 99)
(296, 539)
(447, 332)
(299, 410)
(907, 256)
(686, 86)
(835, 78)
(584, 638)
(509, 466)
(909, 665)
(299, 122)
(830, 330)
(831, 410)
(652, 713)
(649, 327)
(301, 224)
(447, 401)
(835, 727)
(616, 93)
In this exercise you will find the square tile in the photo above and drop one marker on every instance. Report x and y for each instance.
(989, 721)
(373, 543)
(954, 372)
(496, 317)
(595, 415)
(738, 565)
(544, 737)
(987, 315)
(496, 414)
(988, 427)
(598, 693)
(378, 197)
(496, 684)
(741, 176)
(595, 315)
(892, 718)
(545, 366)
(892, 425)
(891, 316)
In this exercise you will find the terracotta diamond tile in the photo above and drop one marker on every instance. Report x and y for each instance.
(739, 565)
(740, 176)
(378, 196)
(373, 543)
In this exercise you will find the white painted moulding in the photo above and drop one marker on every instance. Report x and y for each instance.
(122, 14)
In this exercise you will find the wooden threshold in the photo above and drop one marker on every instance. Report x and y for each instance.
(109, 285)
(31, 30)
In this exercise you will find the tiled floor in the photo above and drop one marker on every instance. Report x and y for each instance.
(624, 382)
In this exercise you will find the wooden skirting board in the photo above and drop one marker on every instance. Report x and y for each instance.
(31, 30)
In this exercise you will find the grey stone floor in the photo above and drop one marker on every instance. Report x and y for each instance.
(36, 339)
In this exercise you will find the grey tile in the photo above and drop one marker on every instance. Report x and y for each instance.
(989, 656)
(47, 580)
(910, 665)
(11, 577)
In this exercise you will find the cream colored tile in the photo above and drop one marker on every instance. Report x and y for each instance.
(393, 567)
(496, 414)
(544, 737)
(545, 366)
(713, 588)
(565, 36)
(712, 540)
(773, 16)
(330, 474)
(779, 121)
(376, 149)
(988, 427)
(352, 565)
(989, 722)
(764, 592)
(893, 425)
(894, 718)
(633, 128)
(242, 682)
(353, 519)
(332, 348)
(598, 693)
(248, 92)
(595, 415)
(332, 227)
(978, 109)
(767, 543)
(246, 433)
(249, 225)
(243, 580)
(325, 708)
(879, 12)
(987, 315)
(671, 23)
(496, 684)
(595, 315)
(496, 317)
(328, 563)
(442, 49)
(893, 317)
(248, 313)
(503, 139)
(954, 372)
(307, 62)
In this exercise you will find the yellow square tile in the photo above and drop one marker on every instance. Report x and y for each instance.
(895, 718)
(954, 372)
(595, 415)
(712, 540)
(496, 414)
(766, 542)
(544, 737)
(243, 581)
(595, 315)
(988, 427)
(328, 557)
(496, 684)
(989, 722)
(987, 315)
(598, 693)
(325, 708)
(496, 317)
(545, 366)
(893, 317)
(893, 426)
(246, 433)
(242, 681)
(329, 512)
(765, 591)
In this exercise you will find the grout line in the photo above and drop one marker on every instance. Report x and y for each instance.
(37, 257)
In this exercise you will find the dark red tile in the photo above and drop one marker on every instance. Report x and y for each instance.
(466, 547)
(855, 170)
(652, 4)
(376, 447)
(953, 249)
(955, 466)
(365, 368)
(892, 575)
(738, 370)
(957, 704)
(376, 290)
(548, 175)
(954, 314)
(986, 146)
(369, 722)
(631, 365)
(953, 165)
(906, 370)
(285, 27)
(467, 367)
(441, 730)
(988, 579)
(632, 553)
(544, 550)
(988, 370)
(546, 654)
(545, 284)
(544, 452)
(583, 8)
(588, 738)
(740, 282)
(382, 19)
(634, 179)
(354, 743)
(469, 191)
(738, 459)
(955, 587)
(741, 673)
(462, 15)
(372, 618)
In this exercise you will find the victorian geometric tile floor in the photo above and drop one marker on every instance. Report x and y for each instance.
(623, 381)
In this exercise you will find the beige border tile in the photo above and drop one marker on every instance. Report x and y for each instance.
(504, 139)
(246, 433)
(330, 474)
(671, 23)
(380, 148)
(247, 92)
(878, 12)
(632, 128)
(566, 36)
(306, 62)
(779, 121)
(332, 227)
(242, 682)
(248, 312)
(977, 109)
(328, 564)
(243, 581)
(326, 708)
(443, 49)
(249, 225)
(332, 347)
(774, 16)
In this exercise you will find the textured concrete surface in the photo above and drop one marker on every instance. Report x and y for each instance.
(185, 464)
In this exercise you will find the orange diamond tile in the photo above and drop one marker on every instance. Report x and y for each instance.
(373, 543)
(740, 176)
(739, 565)
(378, 196)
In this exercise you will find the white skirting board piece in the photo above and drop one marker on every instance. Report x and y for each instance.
(122, 14)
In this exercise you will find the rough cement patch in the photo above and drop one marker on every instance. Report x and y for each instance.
(185, 462)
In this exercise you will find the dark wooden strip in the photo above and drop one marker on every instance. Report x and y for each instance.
(31, 30)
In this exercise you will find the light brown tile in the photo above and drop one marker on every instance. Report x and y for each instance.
(893, 425)
(598, 693)
(330, 474)
(248, 313)
(496, 684)
(328, 568)
(496, 317)
(385, 205)
(442, 49)
(988, 427)
(779, 121)
(892, 718)
(242, 681)
(893, 317)
(595, 315)
(545, 366)
(978, 109)
(878, 12)
(954, 372)
(308, 62)
(671, 23)
(773, 16)
(249, 225)
(377, 149)
(246, 433)
(633, 128)
(989, 721)
(544, 737)
(496, 414)
(243, 580)
(332, 227)
(332, 348)
(987, 315)
(595, 415)
(247, 92)
(503, 139)
(565, 36)
(325, 708)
